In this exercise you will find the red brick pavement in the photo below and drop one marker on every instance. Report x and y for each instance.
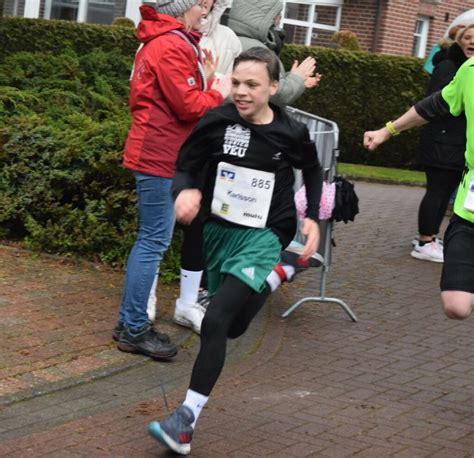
(57, 318)
(398, 383)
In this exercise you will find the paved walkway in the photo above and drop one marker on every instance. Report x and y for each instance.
(399, 382)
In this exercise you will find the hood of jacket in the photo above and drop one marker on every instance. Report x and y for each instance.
(456, 54)
(253, 19)
(213, 19)
(154, 24)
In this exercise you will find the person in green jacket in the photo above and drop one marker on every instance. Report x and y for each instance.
(457, 278)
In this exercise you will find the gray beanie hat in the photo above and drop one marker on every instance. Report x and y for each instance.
(174, 8)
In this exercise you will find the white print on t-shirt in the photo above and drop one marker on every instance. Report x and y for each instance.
(236, 140)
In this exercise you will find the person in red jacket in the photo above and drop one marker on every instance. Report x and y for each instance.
(171, 89)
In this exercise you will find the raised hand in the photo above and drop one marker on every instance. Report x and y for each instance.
(312, 81)
(210, 64)
(223, 85)
(306, 69)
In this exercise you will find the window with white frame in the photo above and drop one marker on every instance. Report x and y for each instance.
(311, 22)
(92, 11)
(420, 37)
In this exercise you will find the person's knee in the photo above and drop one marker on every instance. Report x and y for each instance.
(457, 305)
(155, 245)
(211, 325)
(236, 330)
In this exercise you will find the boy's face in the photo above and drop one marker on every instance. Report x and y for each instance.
(252, 89)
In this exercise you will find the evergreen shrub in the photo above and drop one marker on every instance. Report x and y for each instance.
(346, 39)
(123, 22)
(64, 119)
(43, 35)
(362, 91)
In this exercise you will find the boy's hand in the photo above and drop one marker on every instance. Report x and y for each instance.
(374, 138)
(310, 229)
(187, 205)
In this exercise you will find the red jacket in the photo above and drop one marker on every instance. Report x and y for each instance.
(166, 95)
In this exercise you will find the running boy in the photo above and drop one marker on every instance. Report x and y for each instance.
(247, 151)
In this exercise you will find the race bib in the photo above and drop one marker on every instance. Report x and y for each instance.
(469, 200)
(242, 195)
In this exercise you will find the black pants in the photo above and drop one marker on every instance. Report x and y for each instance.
(440, 185)
(228, 316)
(458, 267)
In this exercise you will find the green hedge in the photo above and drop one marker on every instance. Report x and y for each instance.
(64, 119)
(362, 91)
(359, 90)
(41, 35)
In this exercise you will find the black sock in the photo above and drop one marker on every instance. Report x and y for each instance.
(424, 242)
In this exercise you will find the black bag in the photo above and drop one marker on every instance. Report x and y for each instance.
(347, 202)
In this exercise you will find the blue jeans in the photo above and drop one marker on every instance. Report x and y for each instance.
(156, 223)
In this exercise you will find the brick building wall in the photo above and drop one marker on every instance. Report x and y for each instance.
(386, 26)
(397, 21)
(359, 16)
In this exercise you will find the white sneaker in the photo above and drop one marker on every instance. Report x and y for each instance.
(189, 315)
(416, 239)
(432, 251)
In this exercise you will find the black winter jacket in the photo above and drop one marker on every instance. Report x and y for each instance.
(443, 140)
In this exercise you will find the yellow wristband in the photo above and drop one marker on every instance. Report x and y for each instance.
(391, 128)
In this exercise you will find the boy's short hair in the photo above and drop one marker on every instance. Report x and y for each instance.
(264, 55)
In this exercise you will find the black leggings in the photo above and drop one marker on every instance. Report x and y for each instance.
(440, 185)
(229, 314)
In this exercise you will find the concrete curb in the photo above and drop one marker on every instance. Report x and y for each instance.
(181, 339)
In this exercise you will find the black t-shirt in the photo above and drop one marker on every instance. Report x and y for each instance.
(223, 136)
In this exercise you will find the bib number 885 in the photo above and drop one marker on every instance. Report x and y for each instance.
(260, 183)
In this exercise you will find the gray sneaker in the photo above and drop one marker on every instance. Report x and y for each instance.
(146, 342)
(175, 431)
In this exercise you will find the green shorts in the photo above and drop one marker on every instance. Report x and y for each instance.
(246, 253)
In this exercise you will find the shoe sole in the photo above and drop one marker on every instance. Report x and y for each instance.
(423, 257)
(186, 324)
(316, 260)
(157, 433)
(160, 356)
(292, 258)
